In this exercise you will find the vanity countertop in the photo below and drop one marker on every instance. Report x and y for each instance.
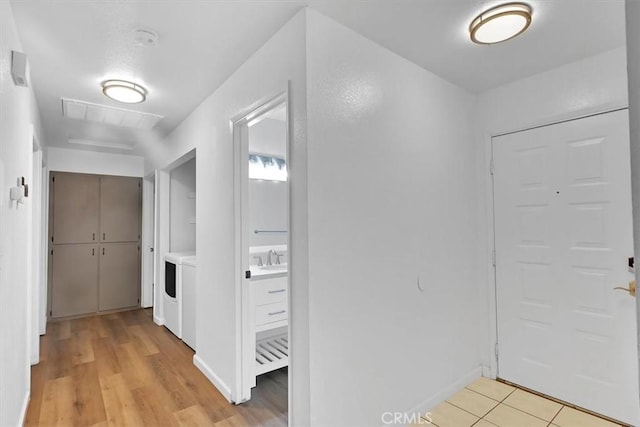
(268, 271)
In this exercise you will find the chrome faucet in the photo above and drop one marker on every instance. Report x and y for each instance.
(272, 252)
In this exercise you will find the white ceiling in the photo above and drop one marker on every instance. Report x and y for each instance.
(74, 45)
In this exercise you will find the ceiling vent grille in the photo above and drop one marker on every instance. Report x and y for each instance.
(81, 110)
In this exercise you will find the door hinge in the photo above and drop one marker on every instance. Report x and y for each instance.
(493, 257)
(53, 179)
(51, 251)
(492, 167)
(247, 274)
(496, 351)
(50, 313)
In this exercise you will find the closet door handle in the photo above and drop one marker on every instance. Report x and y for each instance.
(93, 236)
(104, 236)
(102, 251)
(277, 312)
(93, 252)
(277, 291)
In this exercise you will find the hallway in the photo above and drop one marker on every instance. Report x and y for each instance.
(122, 369)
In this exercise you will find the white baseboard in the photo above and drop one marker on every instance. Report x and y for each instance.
(486, 372)
(158, 320)
(25, 407)
(447, 391)
(215, 380)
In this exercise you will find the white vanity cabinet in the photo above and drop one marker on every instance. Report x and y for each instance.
(269, 296)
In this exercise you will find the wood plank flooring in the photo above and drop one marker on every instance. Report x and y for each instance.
(121, 369)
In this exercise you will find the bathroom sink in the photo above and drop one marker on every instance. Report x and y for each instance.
(275, 267)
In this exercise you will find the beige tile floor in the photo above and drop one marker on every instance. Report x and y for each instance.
(488, 403)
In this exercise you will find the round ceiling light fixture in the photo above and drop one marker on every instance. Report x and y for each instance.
(124, 91)
(500, 23)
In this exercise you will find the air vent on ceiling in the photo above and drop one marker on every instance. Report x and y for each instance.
(82, 110)
(102, 144)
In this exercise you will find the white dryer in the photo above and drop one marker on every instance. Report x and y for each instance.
(173, 262)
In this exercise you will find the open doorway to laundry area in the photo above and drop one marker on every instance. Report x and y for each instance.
(262, 235)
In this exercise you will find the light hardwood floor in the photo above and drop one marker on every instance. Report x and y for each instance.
(122, 369)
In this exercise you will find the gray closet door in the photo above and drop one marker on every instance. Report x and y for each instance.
(74, 280)
(76, 207)
(120, 209)
(119, 275)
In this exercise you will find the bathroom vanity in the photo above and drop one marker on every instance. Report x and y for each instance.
(270, 317)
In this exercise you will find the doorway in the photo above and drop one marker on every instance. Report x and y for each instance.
(262, 236)
(563, 240)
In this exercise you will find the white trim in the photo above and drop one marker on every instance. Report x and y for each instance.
(243, 328)
(215, 379)
(489, 199)
(25, 407)
(148, 259)
(446, 392)
(486, 372)
(44, 249)
(162, 241)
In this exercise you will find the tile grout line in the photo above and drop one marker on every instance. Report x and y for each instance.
(535, 416)
(556, 415)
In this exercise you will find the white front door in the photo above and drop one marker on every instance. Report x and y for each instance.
(563, 235)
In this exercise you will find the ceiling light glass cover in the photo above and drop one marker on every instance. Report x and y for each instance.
(124, 91)
(500, 23)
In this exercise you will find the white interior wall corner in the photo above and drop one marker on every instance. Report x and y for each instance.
(381, 216)
(277, 66)
(19, 115)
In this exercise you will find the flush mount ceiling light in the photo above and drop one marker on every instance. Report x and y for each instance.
(124, 91)
(500, 23)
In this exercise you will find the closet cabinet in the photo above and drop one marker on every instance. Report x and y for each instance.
(119, 209)
(95, 259)
(76, 208)
(119, 275)
(75, 280)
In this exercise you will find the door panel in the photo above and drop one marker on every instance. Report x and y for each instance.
(120, 207)
(74, 280)
(75, 208)
(563, 233)
(119, 275)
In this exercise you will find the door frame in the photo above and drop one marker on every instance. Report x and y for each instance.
(148, 240)
(492, 371)
(241, 389)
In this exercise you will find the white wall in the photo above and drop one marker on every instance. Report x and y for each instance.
(18, 111)
(182, 193)
(277, 64)
(268, 208)
(82, 161)
(392, 202)
(633, 68)
(592, 85)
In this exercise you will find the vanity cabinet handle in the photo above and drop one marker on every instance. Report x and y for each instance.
(277, 312)
(277, 291)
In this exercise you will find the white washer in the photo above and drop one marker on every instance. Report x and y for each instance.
(173, 290)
